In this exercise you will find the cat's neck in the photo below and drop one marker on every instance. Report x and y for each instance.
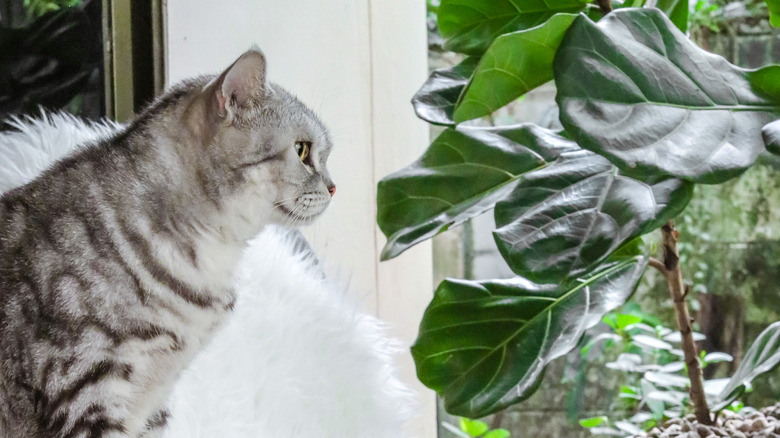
(198, 235)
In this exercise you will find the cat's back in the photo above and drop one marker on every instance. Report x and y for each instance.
(29, 213)
(46, 226)
(86, 302)
(50, 246)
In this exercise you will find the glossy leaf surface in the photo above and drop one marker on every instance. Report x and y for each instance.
(464, 172)
(771, 134)
(435, 101)
(564, 208)
(762, 356)
(513, 65)
(636, 90)
(469, 26)
(677, 11)
(564, 219)
(484, 345)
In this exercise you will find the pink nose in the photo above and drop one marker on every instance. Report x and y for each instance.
(332, 190)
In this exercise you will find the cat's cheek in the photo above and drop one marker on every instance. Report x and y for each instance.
(262, 189)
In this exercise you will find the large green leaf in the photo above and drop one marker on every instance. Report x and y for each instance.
(484, 345)
(469, 26)
(561, 220)
(764, 81)
(514, 64)
(763, 356)
(774, 12)
(566, 208)
(677, 11)
(464, 172)
(436, 99)
(636, 90)
(771, 134)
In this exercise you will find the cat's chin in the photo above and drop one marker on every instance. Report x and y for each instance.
(307, 220)
(288, 217)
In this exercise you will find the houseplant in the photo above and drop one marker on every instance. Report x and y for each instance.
(647, 116)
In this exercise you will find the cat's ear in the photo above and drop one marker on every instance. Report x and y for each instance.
(242, 86)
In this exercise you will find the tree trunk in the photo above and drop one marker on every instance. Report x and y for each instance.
(677, 291)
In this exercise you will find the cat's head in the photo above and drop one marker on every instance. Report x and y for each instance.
(272, 147)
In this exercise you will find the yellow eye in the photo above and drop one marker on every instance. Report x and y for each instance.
(302, 149)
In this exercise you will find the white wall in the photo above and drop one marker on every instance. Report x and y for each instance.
(356, 63)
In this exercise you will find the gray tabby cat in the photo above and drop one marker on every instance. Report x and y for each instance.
(116, 264)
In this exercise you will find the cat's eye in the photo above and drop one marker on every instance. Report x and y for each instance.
(302, 149)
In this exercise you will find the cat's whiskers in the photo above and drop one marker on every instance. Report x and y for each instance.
(294, 216)
(286, 214)
(284, 201)
(296, 213)
(291, 216)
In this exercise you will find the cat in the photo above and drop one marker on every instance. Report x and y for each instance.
(116, 264)
(297, 357)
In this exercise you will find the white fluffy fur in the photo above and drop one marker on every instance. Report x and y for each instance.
(303, 361)
(297, 359)
(36, 143)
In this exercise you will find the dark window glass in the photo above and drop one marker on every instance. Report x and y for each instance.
(51, 57)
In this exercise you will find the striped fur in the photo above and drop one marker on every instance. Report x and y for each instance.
(116, 264)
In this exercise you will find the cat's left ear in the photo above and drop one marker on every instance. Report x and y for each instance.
(243, 85)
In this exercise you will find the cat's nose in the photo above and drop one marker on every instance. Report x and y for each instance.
(332, 190)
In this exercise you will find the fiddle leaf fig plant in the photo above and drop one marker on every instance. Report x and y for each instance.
(436, 101)
(477, 338)
(514, 64)
(646, 116)
(470, 26)
(633, 70)
(677, 11)
(771, 133)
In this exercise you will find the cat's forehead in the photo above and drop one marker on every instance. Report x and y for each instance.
(299, 117)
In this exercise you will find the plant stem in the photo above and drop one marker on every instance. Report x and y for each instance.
(658, 265)
(497, 419)
(677, 292)
(605, 6)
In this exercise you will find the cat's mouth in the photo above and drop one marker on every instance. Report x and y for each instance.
(300, 214)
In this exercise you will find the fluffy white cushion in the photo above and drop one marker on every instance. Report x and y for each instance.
(34, 144)
(297, 359)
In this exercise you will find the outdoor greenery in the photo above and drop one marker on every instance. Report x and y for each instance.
(36, 8)
(49, 62)
(476, 429)
(653, 372)
(718, 15)
(647, 116)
